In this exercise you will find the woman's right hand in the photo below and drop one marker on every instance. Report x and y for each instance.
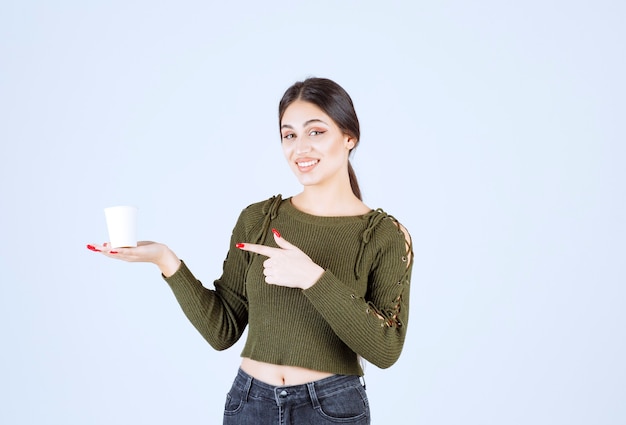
(144, 252)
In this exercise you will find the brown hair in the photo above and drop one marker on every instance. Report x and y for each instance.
(331, 98)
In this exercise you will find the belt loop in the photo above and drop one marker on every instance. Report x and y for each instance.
(314, 401)
(246, 388)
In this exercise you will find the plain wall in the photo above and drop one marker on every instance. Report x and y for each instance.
(494, 131)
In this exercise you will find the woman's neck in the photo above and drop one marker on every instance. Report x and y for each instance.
(327, 203)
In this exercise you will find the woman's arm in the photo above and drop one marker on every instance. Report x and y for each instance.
(373, 326)
(220, 314)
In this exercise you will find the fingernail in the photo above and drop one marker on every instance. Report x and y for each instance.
(239, 245)
(93, 248)
(112, 252)
(276, 232)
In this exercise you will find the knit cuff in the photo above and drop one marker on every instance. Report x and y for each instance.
(329, 292)
(182, 276)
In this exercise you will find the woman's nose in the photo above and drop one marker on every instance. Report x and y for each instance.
(303, 146)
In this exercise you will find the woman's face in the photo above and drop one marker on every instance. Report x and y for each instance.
(315, 148)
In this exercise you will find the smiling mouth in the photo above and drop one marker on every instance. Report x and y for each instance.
(307, 164)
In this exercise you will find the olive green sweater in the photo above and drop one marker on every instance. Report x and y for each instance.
(359, 306)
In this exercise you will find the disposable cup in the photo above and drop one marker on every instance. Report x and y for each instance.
(122, 226)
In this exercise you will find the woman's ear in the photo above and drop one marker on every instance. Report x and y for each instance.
(350, 142)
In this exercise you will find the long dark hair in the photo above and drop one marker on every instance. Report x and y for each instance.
(331, 98)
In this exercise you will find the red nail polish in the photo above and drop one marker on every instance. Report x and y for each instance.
(239, 245)
(112, 252)
(93, 248)
(276, 232)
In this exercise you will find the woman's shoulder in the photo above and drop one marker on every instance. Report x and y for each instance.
(266, 206)
(382, 219)
(387, 229)
(258, 210)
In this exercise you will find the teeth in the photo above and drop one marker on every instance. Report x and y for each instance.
(307, 163)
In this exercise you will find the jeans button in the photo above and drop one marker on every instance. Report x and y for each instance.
(283, 393)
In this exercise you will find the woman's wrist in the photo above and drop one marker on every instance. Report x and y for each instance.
(168, 262)
(317, 273)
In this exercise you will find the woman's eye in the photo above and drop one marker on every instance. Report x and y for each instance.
(315, 133)
(289, 136)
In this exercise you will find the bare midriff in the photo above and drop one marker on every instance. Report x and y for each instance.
(278, 375)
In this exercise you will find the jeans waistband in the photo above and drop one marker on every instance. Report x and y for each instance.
(291, 393)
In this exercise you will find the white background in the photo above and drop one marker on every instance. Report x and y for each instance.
(494, 130)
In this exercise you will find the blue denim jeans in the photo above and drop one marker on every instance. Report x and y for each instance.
(338, 399)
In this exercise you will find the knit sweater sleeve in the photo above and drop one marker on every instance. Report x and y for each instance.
(220, 314)
(373, 326)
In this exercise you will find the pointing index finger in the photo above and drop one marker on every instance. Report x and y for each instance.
(268, 251)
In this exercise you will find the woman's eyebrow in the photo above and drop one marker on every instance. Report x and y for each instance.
(305, 124)
(312, 121)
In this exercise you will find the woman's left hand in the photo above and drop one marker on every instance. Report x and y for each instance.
(287, 265)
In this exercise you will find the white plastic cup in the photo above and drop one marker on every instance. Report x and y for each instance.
(122, 226)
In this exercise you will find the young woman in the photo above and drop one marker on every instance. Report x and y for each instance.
(320, 279)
